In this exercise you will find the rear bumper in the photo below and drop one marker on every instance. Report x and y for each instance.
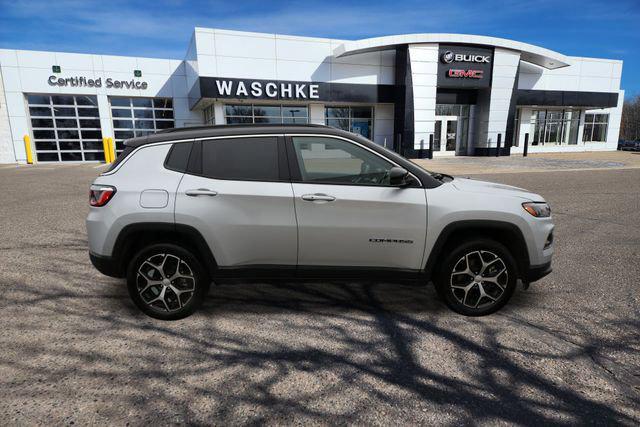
(537, 272)
(105, 265)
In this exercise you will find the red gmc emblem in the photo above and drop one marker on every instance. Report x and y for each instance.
(465, 74)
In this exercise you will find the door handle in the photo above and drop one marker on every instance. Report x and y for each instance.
(318, 197)
(201, 192)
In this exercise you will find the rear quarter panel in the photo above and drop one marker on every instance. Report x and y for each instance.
(142, 170)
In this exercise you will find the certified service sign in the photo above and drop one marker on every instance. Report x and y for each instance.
(109, 83)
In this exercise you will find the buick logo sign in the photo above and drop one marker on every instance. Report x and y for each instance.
(447, 57)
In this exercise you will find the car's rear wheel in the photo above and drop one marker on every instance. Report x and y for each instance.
(167, 281)
(477, 277)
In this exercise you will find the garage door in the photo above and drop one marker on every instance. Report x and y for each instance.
(139, 117)
(65, 128)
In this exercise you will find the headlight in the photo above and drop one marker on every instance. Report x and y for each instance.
(537, 209)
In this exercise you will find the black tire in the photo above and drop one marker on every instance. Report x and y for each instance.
(188, 278)
(497, 292)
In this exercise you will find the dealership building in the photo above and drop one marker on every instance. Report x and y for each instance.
(464, 94)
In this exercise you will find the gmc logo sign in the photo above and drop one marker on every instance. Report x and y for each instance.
(465, 74)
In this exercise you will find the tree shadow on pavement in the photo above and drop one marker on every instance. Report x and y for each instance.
(329, 352)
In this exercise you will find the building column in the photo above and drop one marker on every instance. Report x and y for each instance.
(524, 127)
(583, 113)
(316, 114)
(104, 112)
(218, 113)
(615, 118)
(383, 125)
(7, 149)
(424, 78)
(496, 102)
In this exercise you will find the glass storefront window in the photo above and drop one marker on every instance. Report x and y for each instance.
(256, 114)
(516, 128)
(460, 110)
(133, 117)
(595, 127)
(209, 115)
(65, 128)
(555, 127)
(353, 119)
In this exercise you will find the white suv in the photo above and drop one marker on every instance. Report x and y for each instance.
(185, 207)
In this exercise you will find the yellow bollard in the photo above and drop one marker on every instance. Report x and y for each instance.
(107, 150)
(27, 149)
(112, 148)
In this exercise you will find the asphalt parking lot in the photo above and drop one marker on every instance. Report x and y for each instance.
(73, 348)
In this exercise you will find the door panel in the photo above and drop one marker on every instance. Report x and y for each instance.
(361, 226)
(244, 222)
(348, 214)
(237, 193)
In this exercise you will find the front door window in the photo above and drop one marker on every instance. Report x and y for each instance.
(335, 161)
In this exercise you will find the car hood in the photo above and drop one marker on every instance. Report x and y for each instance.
(475, 186)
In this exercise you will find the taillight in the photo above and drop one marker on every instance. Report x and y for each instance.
(99, 195)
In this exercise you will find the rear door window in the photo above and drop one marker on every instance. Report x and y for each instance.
(242, 159)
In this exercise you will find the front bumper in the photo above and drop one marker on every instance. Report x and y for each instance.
(105, 265)
(537, 272)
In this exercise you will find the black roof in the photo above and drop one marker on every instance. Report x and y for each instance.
(227, 130)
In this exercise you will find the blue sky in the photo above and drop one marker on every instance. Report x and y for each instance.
(162, 28)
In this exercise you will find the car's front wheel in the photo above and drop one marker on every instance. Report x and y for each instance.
(167, 281)
(477, 277)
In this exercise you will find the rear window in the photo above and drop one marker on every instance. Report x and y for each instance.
(248, 159)
(120, 158)
(178, 157)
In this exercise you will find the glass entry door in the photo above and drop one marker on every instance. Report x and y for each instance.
(452, 132)
(447, 138)
(452, 129)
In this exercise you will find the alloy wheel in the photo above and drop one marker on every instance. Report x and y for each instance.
(479, 279)
(165, 282)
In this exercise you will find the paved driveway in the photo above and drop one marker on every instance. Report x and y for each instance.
(74, 349)
(541, 162)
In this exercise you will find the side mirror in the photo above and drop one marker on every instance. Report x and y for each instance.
(399, 177)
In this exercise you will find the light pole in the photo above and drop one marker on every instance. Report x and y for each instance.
(293, 115)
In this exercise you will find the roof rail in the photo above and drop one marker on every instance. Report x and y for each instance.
(242, 125)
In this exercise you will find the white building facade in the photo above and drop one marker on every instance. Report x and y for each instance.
(460, 94)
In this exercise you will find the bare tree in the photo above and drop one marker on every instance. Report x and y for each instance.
(630, 126)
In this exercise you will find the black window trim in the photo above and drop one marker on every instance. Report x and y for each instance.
(118, 164)
(296, 175)
(173, 146)
(283, 165)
